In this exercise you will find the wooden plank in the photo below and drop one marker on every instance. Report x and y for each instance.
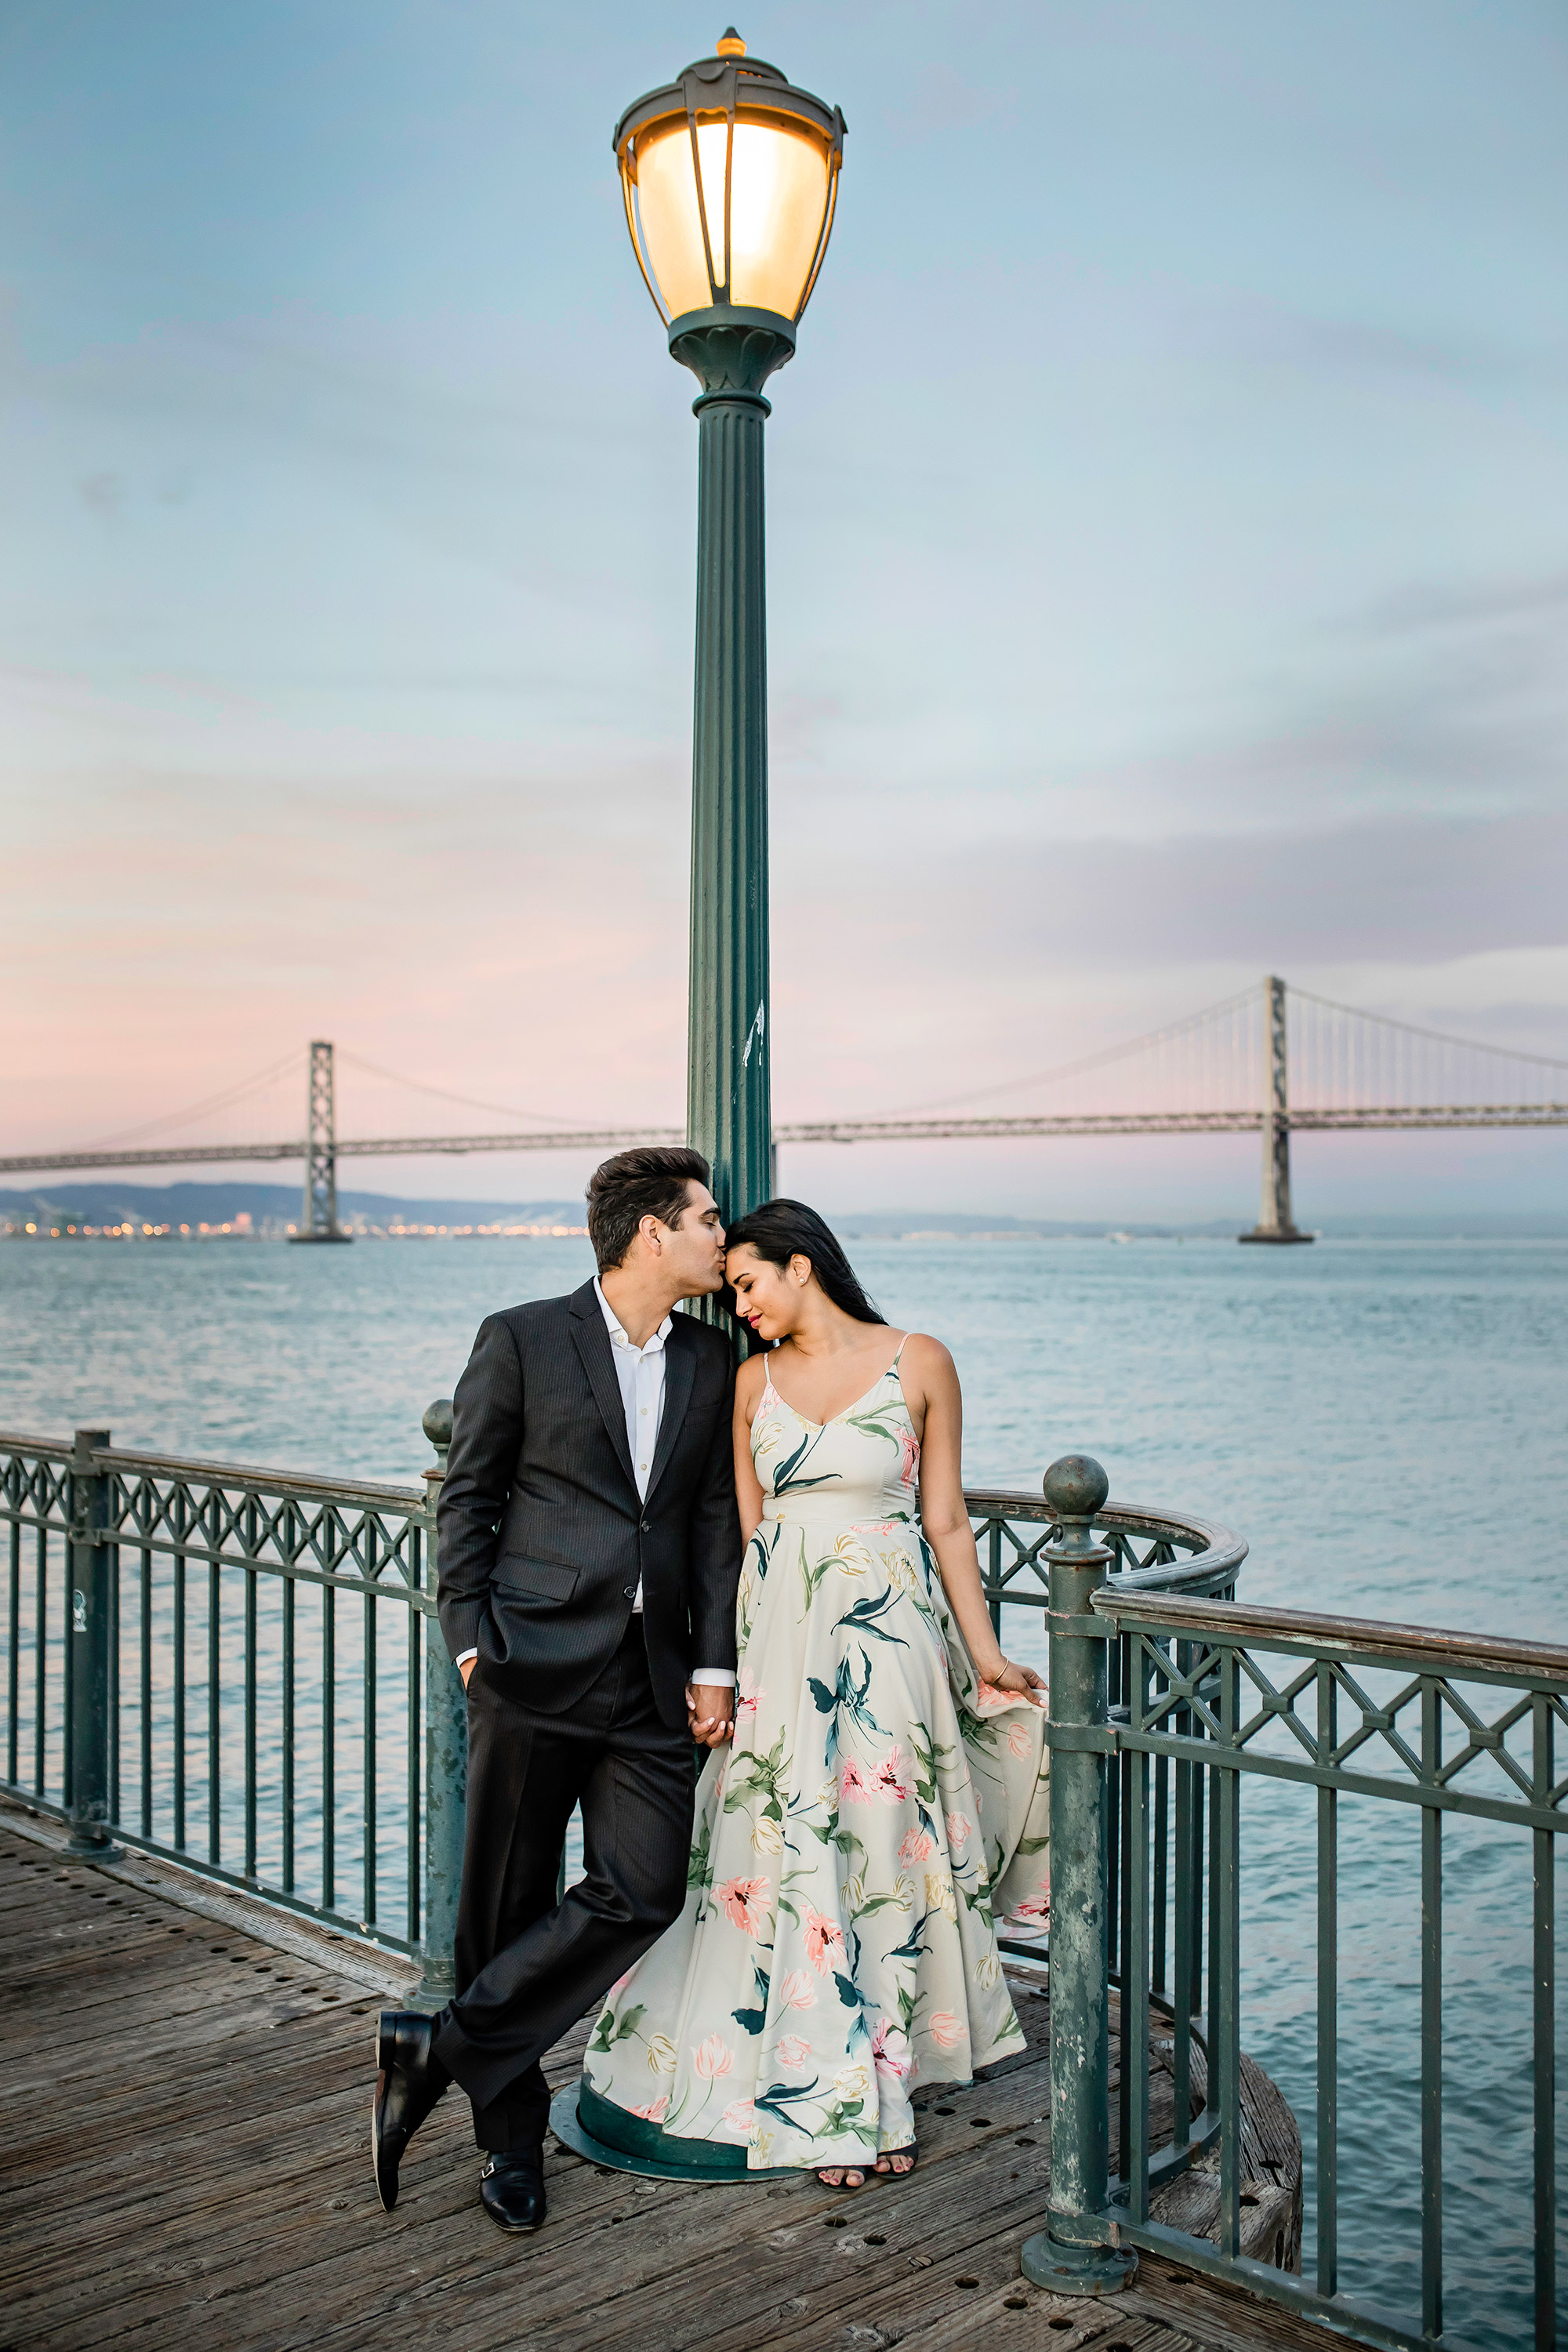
(228, 2196)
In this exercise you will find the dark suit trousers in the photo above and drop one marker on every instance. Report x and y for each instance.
(526, 1966)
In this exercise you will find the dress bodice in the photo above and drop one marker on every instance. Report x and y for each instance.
(861, 1467)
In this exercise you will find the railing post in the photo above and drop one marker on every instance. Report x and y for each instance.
(446, 1758)
(90, 1632)
(1069, 2255)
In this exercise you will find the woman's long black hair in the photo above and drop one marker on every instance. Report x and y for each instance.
(781, 1230)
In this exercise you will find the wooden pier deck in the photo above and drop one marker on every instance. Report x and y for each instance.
(185, 2136)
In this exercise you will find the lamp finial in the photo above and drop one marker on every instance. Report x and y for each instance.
(729, 44)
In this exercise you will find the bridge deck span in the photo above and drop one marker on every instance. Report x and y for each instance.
(186, 2162)
(1392, 1119)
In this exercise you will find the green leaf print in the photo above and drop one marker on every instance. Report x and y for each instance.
(876, 1425)
(778, 2098)
(875, 1903)
(863, 1617)
(750, 2021)
(847, 1992)
(750, 1773)
(629, 2023)
(605, 2032)
(786, 1892)
(785, 1481)
(844, 1693)
(812, 1573)
(912, 1948)
(699, 1864)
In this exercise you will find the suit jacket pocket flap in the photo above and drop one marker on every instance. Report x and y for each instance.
(534, 1579)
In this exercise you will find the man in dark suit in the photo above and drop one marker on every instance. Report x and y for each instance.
(589, 1551)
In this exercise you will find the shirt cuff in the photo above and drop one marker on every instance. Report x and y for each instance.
(463, 1656)
(715, 1675)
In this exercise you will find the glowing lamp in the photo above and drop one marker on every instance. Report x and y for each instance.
(730, 177)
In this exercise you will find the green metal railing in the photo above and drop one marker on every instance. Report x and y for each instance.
(241, 1669)
(1161, 1702)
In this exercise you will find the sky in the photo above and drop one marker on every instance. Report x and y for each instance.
(1168, 568)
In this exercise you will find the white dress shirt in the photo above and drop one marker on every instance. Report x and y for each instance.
(640, 1374)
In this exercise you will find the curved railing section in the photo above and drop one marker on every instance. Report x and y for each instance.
(1153, 1550)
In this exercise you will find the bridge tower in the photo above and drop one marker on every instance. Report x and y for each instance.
(1274, 1221)
(319, 1219)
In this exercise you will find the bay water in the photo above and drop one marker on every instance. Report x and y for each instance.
(1385, 1421)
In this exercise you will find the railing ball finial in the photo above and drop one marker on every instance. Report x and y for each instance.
(437, 1423)
(1076, 1487)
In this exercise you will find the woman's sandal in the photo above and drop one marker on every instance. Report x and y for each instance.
(888, 2165)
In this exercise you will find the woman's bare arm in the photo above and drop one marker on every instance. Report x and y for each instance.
(932, 1385)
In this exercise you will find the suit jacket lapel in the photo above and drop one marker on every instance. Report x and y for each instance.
(679, 1371)
(592, 1341)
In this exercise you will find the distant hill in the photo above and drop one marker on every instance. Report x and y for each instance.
(107, 1201)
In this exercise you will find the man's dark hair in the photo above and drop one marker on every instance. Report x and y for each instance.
(650, 1182)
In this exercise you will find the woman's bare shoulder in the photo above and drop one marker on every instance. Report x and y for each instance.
(926, 1364)
(749, 1382)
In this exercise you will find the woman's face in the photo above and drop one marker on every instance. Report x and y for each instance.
(767, 1296)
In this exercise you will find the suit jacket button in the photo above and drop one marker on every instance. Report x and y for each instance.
(644, 1527)
(629, 1590)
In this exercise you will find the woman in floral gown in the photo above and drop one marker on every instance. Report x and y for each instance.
(884, 1795)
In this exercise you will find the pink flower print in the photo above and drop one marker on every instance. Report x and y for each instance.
(739, 2114)
(714, 2057)
(987, 1695)
(945, 2030)
(958, 1830)
(793, 2050)
(888, 1777)
(909, 1457)
(798, 1991)
(854, 1787)
(620, 1987)
(749, 1693)
(890, 2049)
(823, 1941)
(1018, 1740)
(918, 1846)
(744, 1903)
(1038, 1906)
(655, 2112)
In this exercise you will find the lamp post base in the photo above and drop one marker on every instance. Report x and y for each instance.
(1077, 2270)
(1277, 1233)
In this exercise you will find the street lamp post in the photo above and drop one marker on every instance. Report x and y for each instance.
(730, 177)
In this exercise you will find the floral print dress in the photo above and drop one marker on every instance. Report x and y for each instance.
(877, 1805)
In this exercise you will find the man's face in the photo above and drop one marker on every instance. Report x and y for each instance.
(694, 1248)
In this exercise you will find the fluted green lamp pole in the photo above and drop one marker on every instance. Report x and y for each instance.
(730, 176)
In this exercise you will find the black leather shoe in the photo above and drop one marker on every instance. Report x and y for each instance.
(410, 2080)
(511, 2189)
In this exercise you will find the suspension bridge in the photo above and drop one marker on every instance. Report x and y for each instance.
(1271, 1061)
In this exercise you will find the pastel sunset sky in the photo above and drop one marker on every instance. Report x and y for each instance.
(1168, 572)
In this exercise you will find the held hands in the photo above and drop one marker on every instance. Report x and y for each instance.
(1022, 1680)
(710, 1713)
